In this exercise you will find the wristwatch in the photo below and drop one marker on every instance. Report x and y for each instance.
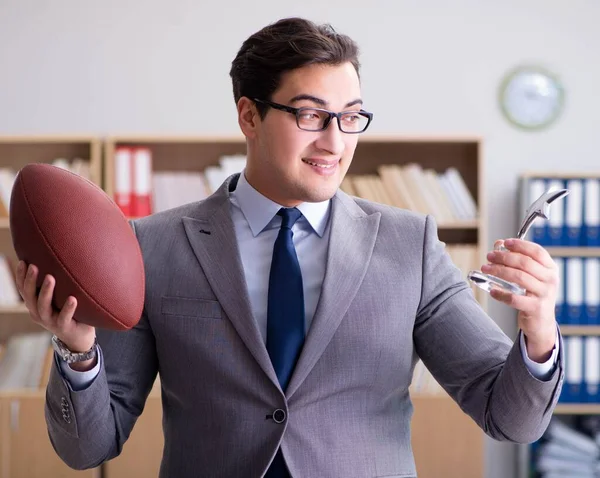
(71, 357)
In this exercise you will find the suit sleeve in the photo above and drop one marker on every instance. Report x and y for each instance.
(472, 359)
(88, 427)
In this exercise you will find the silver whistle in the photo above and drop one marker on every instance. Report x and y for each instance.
(539, 208)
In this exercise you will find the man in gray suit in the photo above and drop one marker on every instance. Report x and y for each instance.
(286, 317)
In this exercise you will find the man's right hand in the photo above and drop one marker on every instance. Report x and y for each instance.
(78, 337)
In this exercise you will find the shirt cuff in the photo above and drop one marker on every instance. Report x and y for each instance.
(541, 371)
(79, 380)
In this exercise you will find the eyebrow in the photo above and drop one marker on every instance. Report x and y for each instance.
(322, 102)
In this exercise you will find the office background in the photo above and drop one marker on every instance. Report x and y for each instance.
(430, 67)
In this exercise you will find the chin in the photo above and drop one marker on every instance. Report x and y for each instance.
(320, 194)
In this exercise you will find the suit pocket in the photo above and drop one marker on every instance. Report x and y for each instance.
(190, 307)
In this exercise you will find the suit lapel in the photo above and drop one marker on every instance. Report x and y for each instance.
(218, 254)
(351, 241)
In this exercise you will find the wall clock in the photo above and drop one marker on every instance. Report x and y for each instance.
(531, 98)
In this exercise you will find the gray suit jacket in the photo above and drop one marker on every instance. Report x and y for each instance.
(390, 295)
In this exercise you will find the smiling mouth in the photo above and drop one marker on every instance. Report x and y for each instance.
(319, 165)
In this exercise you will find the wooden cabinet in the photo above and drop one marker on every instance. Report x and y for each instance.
(143, 450)
(25, 448)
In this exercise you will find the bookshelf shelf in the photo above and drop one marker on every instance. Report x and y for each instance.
(577, 409)
(574, 251)
(14, 310)
(580, 329)
(459, 225)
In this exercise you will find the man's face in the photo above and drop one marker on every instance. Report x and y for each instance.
(289, 165)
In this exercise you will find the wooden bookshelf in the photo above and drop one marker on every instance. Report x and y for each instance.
(580, 329)
(434, 415)
(574, 251)
(25, 449)
(18, 151)
(577, 409)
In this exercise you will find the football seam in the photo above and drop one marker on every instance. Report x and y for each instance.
(61, 262)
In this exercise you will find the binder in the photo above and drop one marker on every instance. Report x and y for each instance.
(123, 160)
(556, 221)
(141, 202)
(572, 388)
(592, 369)
(559, 310)
(591, 284)
(573, 212)
(574, 290)
(591, 215)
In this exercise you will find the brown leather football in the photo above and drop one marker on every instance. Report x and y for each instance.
(70, 228)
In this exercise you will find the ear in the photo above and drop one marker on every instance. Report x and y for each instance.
(248, 117)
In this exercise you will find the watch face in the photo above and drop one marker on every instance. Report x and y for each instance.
(531, 98)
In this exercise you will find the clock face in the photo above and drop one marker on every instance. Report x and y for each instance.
(531, 98)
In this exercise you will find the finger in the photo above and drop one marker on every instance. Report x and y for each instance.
(20, 277)
(523, 263)
(525, 280)
(499, 245)
(29, 288)
(523, 303)
(531, 249)
(63, 321)
(44, 302)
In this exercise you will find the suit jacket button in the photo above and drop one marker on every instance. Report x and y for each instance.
(279, 416)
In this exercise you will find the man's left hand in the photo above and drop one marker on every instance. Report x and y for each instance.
(528, 265)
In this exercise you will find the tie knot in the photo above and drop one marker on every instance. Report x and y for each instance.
(289, 216)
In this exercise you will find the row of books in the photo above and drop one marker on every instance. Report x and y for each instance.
(141, 191)
(567, 450)
(8, 176)
(582, 369)
(578, 298)
(9, 295)
(574, 220)
(443, 195)
(25, 361)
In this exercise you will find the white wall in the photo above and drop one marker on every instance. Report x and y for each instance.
(126, 67)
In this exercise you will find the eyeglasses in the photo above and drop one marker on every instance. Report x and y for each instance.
(317, 119)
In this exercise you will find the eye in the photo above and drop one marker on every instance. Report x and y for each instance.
(309, 115)
(351, 118)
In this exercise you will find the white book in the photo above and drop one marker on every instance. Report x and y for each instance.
(9, 295)
(459, 211)
(463, 193)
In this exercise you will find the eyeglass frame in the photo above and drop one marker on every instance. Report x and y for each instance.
(295, 111)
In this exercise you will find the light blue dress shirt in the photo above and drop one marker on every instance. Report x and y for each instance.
(256, 227)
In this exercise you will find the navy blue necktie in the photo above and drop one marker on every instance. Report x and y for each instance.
(285, 314)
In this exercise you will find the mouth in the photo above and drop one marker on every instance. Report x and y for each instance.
(321, 164)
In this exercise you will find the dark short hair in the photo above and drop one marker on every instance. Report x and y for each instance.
(283, 46)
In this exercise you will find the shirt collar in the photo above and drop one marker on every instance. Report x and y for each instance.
(260, 210)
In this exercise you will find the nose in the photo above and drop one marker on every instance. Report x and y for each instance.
(332, 139)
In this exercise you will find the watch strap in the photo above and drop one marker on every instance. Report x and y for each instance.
(72, 357)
